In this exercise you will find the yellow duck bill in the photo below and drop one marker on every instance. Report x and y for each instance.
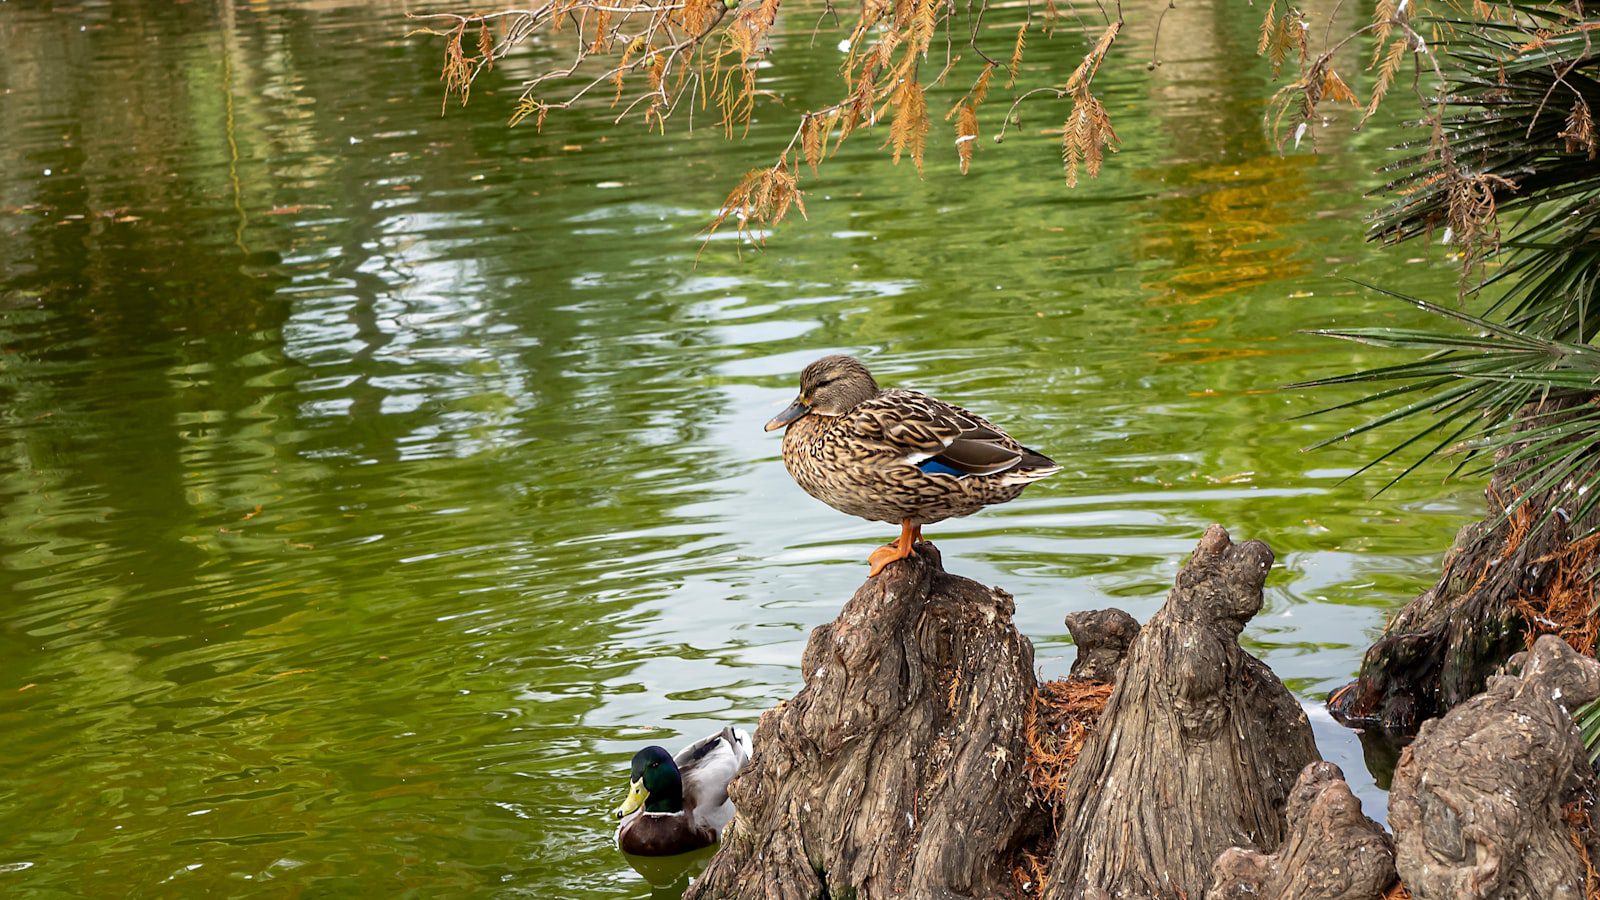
(636, 797)
(795, 411)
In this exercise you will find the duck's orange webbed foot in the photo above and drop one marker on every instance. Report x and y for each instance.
(884, 555)
(888, 553)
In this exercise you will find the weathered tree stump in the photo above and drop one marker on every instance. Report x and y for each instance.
(1332, 852)
(1478, 799)
(1103, 638)
(897, 771)
(1497, 586)
(903, 766)
(1197, 749)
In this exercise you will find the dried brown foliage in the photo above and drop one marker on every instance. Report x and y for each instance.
(909, 132)
(457, 71)
(661, 58)
(1090, 66)
(1566, 608)
(1384, 17)
(1085, 136)
(485, 46)
(980, 88)
(1063, 716)
(1087, 132)
(760, 201)
(1015, 63)
(1579, 133)
(1288, 36)
(1471, 215)
(1580, 824)
(1566, 605)
(1269, 27)
(813, 139)
(966, 135)
(1386, 74)
(657, 60)
(1334, 88)
(1058, 725)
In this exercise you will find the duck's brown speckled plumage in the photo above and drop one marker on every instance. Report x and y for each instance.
(864, 460)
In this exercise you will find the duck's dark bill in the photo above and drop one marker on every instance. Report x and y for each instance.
(795, 411)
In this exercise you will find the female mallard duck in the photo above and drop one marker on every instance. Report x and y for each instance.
(896, 456)
(684, 797)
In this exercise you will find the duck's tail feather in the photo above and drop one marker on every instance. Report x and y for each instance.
(1032, 467)
(1033, 459)
(739, 740)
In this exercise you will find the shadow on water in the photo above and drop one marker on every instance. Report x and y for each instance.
(669, 876)
(375, 482)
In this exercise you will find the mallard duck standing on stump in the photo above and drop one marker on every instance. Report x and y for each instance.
(897, 456)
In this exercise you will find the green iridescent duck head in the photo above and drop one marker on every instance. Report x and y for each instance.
(831, 386)
(654, 783)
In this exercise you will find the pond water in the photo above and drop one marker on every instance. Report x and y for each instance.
(375, 482)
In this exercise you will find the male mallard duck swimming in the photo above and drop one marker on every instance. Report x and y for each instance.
(896, 456)
(684, 797)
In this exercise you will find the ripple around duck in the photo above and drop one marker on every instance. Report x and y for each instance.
(363, 515)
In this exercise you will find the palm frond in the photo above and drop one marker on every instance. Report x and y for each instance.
(1514, 383)
(1587, 718)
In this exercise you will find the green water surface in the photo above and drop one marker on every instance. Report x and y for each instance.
(374, 482)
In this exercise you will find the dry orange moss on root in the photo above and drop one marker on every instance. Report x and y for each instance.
(1060, 720)
(1566, 607)
(1579, 826)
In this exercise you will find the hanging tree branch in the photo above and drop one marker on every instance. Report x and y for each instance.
(710, 52)
(657, 57)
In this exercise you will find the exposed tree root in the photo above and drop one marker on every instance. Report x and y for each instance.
(1198, 747)
(923, 759)
(1483, 803)
(1332, 850)
(1500, 589)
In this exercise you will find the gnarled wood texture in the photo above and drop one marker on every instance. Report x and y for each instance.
(1103, 638)
(1446, 643)
(897, 771)
(1332, 852)
(1197, 749)
(1477, 802)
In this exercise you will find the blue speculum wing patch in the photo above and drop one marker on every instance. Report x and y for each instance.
(933, 465)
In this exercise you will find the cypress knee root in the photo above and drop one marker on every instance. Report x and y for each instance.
(1498, 586)
(1332, 852)
(1103, 638)
(1487, 802)
(897, 771)
(1196, 751)
(901, 769)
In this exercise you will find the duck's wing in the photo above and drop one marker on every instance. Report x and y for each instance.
(706, 767)
(936, 436)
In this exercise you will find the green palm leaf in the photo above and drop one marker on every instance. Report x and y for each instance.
(1511, 385)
